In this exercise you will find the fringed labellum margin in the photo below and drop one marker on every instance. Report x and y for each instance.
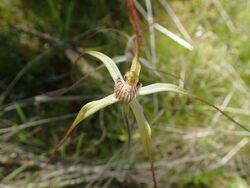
(127, 90)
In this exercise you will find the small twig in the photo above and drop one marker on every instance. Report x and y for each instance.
(92, 32)
(223, 106)
(43, 98)
(107, 167)
(239, 111)
(14, 130)
(38, 34)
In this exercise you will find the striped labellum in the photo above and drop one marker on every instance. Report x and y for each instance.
(127, 90)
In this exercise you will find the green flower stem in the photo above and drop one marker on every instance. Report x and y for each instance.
(135, 65)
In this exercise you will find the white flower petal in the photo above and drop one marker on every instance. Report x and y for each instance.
(108, 62)
(144, 128)
(159, 87)
(93, 106)
(87, 110)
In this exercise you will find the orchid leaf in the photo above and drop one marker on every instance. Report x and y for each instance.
(87, 110)
(108, 62)
(159, 87)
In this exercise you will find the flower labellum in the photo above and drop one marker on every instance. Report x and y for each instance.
(127, 91)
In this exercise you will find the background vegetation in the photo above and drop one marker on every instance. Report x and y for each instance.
(194, 146)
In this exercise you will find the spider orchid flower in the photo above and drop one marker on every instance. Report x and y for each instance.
(125, 90)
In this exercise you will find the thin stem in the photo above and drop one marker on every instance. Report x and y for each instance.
(152, 169)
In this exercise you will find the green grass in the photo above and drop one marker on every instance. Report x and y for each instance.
(188, 136)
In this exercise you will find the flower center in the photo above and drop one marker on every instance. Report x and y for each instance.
(127, 91)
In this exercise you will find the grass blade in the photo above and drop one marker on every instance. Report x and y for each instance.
(173, 36)
(68, 18)
(21, 113)
(55, 14)
(15, 173)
